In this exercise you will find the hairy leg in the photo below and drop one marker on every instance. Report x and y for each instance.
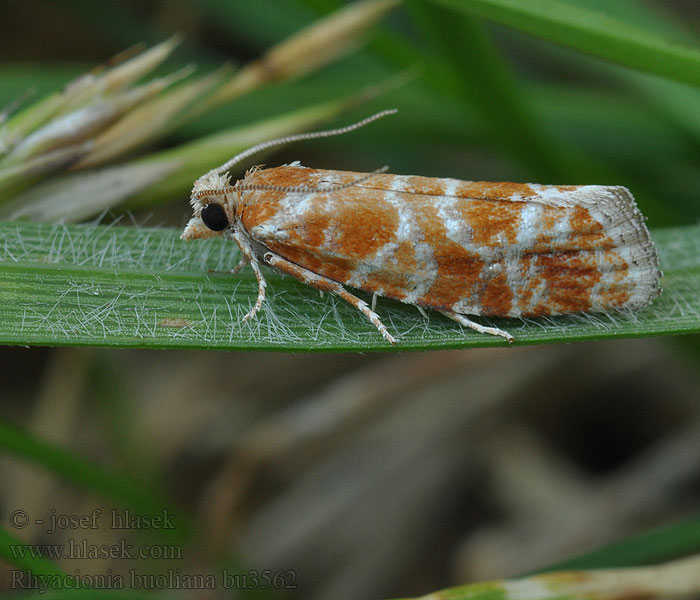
(463, 320)
(327, 285)
(249, 256)
(241, 263)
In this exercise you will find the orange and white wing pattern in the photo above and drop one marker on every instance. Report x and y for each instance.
(474, 248)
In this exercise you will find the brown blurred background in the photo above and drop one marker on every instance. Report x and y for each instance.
(366, 475)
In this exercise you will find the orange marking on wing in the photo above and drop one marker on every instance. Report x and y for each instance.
(618, 264)
(396, 278)
(298, 255)
(615, 296)
(496, 297)
(586, 232)
(411, 184)
(310, 230)
(493, 224)
(549, 219)
(571, 292)
(334, 268)
(401, 273)
(285, 176)
(258, 206)
(335, 232)
(423, 185)
(257, 214)
(569, 278)
(583, 223)
(618, 293)
(312, 257)
(338, 270)
(494, 190)
(457, 273)
(458, 269)
(362, 223)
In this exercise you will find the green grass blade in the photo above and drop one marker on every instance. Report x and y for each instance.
(139, 287)
(677, 579)
(479, 75)
(592, 32)
(164, 175)
(656, 545)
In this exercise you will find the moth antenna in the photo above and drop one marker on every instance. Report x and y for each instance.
(295, 138)
(305, 189)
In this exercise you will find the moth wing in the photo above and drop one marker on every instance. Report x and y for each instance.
(472, 247)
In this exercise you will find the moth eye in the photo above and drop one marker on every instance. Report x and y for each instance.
(214, 217)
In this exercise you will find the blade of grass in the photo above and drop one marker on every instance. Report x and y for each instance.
(82, 91)
(479, 74)
(679, 579)
(661, 18)
(146, 122)
(592, 32)
(315, 46)
(661, 543)
(165, 175)
(197, 157)
(138, 287)
(680, 102)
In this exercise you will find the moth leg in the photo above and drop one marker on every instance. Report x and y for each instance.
(249, 256)
(463, 320)
(241, 263)
(327, 285)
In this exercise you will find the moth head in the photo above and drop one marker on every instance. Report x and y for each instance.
(213, 201)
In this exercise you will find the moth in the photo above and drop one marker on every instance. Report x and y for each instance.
(462, 248)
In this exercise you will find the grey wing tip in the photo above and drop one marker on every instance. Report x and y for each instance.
(624, 223)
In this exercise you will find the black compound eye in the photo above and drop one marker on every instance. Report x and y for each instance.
(214, 217)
